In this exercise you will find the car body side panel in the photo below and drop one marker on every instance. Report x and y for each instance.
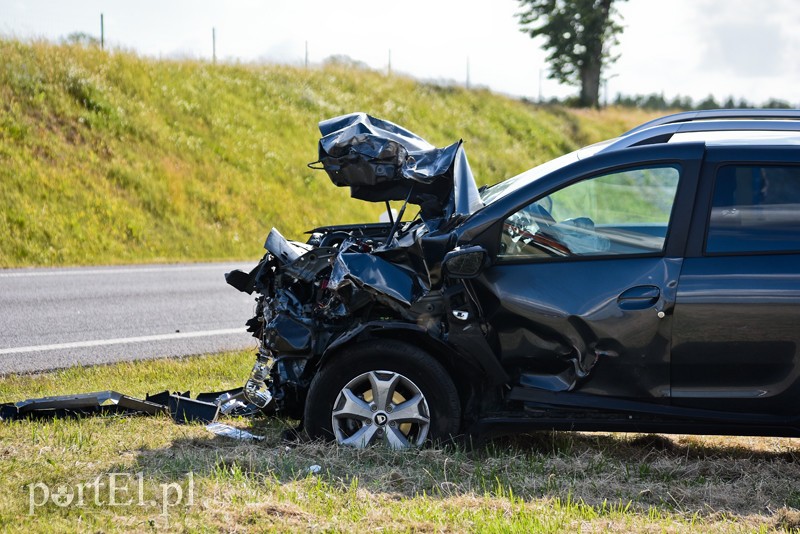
(570, 319)
(589, 324)
(737, 334)
(736, 343)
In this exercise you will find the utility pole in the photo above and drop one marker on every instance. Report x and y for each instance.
(214, 45)
(540, 86)
(306, 63)
(102, 34)
(389, 69)
(467, 72)
(605, 87)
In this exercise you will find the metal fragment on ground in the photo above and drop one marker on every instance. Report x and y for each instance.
(221, 429)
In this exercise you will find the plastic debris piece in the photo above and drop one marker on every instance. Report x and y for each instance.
(186, 410)
(221, 429)
(228, 404)
(99, 402)
(180, 406)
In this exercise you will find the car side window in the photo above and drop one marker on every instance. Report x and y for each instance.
(625, 212)
(755, 209)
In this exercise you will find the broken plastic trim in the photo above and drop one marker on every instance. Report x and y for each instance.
(181, 407)
(105, 402)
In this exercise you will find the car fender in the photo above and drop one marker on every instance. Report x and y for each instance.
(466, 364)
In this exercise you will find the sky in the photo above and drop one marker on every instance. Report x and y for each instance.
(739, 48)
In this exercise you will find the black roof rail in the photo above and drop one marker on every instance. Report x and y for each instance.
(689, 116)
(662, 133)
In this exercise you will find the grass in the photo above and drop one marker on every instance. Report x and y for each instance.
(544, 482)
(107, 157)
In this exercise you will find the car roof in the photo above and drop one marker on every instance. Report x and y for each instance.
(719, 126)
(720, 114)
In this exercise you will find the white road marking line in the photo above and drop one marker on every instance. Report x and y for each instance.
(122, 341)
(123, 270)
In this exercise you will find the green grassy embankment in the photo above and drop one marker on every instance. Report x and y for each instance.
(112, 158)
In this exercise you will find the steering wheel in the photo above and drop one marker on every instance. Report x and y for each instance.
(540, 214)
(533, 224)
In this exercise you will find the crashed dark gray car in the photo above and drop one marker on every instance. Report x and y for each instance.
(647, 283)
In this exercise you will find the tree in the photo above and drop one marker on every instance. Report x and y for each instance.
(682, 102)
(578, 35)
(708, 103)
(81, 38)
(774, 103)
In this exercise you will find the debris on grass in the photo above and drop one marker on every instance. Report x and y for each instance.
(228, 431)
(314, 469)
(205, 408)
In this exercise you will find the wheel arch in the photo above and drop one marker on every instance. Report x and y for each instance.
(466, 375)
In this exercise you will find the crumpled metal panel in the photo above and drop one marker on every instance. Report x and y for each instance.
(281, 248)
(381, 161)
(289, 335)
(366, 270)
(467, 198)
(338, 130)
(310, 264)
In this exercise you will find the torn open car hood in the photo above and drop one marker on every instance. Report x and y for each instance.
(381, 161)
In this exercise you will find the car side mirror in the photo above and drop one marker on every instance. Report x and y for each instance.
(466, 262)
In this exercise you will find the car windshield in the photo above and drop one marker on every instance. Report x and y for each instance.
(519, 181)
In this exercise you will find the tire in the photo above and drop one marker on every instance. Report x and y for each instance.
(416, 399)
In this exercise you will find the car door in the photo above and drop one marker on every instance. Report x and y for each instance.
(581, 292)
(736, 339)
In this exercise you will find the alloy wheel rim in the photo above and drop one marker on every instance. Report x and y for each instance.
(380, 407)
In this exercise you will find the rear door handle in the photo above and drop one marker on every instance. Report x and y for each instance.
(639, 297)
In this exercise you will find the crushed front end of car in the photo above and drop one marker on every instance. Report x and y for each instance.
(347, 283)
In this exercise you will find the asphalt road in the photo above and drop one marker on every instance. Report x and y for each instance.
(55, 318)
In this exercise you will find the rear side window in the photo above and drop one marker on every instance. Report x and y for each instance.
(755, 209)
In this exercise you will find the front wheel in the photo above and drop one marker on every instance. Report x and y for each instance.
(382, 391)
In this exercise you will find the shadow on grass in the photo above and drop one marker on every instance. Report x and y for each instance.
(712, 478)
(645, 446)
